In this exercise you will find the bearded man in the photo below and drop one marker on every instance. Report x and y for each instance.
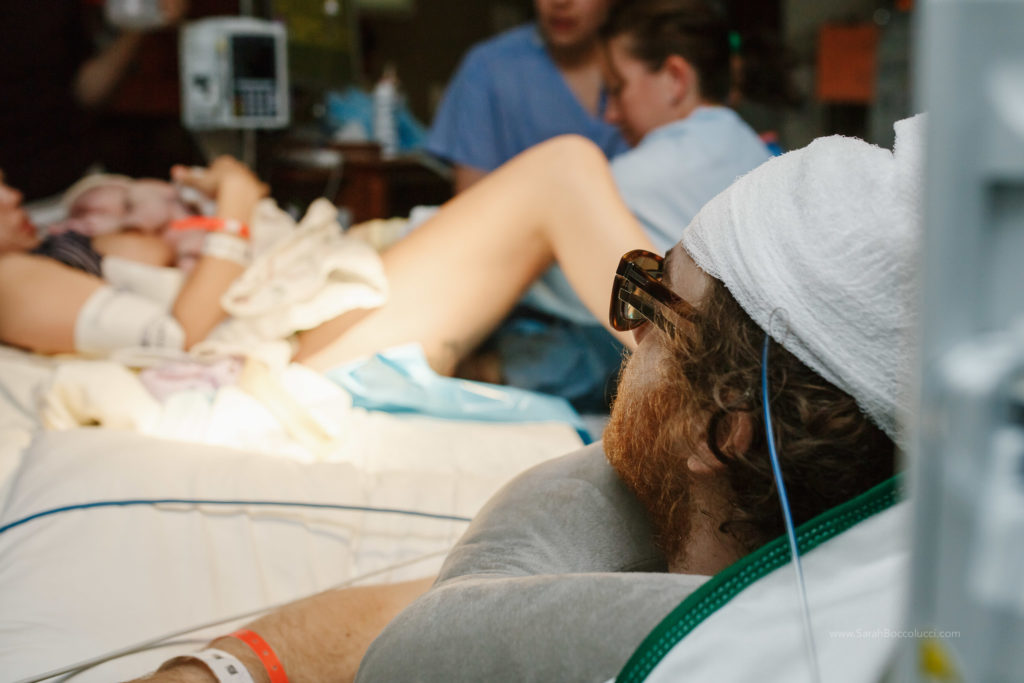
(803, 272)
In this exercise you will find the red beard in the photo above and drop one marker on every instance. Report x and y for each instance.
(643, 442)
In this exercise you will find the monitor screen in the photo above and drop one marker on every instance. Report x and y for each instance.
(252, 56)
(254, 64)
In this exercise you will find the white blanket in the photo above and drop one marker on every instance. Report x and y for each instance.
(78, 584)
(302, 274)
(314, 273)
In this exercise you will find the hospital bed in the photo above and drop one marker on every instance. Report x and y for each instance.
(124, 518)
(150, 492)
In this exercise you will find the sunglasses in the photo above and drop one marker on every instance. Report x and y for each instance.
(639, 297)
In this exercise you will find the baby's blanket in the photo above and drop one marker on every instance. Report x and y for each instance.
(302, 274)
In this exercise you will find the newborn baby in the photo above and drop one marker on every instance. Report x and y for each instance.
(105, 204)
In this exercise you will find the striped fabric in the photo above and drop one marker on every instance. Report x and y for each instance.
(72, 249)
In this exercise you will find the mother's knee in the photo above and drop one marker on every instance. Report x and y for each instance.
(572, 148)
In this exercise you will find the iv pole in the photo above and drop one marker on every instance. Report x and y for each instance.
(967, 457)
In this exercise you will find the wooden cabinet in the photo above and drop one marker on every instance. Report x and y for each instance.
(357, 177)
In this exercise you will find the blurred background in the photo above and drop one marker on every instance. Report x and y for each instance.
(851, 55)
(850, 63)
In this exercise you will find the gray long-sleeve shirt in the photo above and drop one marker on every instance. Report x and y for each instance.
(557, 578)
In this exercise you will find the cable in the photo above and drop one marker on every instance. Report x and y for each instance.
(68, 675)
(75, 669)
(81, 667)
(812, 651)
(235, 503)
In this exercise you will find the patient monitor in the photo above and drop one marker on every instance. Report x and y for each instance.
(234, 74)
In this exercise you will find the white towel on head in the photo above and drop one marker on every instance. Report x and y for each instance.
(826, 239)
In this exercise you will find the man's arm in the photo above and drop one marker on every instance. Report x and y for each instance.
(504, 610)
(570, 627)
(320, 638)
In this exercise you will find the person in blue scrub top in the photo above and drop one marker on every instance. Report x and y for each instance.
(524, 86)
(669, 69)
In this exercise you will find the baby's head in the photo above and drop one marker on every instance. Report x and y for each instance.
(104, 204)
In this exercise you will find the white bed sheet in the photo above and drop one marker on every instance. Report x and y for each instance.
(82, 583)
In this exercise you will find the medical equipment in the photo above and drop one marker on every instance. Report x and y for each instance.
(136, 15)
(385, 113)
(171, 504)
(967, 469)
(810, 648)
(234, 74)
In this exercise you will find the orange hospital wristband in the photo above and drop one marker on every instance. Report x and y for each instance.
(212, 224)
(259, 646)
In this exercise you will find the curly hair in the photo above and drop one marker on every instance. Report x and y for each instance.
(829, 450)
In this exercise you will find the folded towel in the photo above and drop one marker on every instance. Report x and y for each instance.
(819, 246)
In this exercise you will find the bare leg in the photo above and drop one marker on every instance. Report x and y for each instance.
(454, 278)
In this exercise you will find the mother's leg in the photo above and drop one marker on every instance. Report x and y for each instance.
(455, 277)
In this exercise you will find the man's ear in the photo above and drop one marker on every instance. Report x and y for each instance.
(682, 77)
(703, 462)
(736, 432)
(740, 433)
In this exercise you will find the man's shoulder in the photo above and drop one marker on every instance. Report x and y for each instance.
(569, 514)
(581, 474)
(587, 463)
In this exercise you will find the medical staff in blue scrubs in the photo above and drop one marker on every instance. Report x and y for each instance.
(524, 86)
(669, 72)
